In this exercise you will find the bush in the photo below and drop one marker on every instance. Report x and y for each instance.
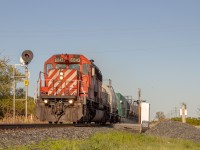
(191, 121)
(6, 107)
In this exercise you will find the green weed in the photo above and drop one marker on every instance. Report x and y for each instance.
(115, 140)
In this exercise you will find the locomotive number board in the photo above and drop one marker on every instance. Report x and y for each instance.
(74, 60)
(59, 59)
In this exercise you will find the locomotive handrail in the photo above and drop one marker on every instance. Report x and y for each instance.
(38, 86)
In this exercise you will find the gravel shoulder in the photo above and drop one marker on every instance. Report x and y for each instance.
(174, 129)
(28, 136)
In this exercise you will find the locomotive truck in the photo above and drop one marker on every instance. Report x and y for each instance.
(70, 90)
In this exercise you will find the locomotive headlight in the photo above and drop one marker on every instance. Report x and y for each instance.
(71, 101)
(61, 75)
(45, 101)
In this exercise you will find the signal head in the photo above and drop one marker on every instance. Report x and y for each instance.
(27, 56)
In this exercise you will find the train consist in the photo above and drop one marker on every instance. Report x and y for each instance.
(71, 90)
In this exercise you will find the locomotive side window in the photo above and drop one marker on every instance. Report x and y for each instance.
(85, 68)
(74, 66)
(49, 66)
(61, 66)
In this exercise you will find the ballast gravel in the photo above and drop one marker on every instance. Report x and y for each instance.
(28, 136)
(175, 129)
(171, 129)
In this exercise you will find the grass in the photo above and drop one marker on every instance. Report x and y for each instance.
(191, 121)
(116, 140)
(20, 119)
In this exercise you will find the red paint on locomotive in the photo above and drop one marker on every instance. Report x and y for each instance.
(68, 74)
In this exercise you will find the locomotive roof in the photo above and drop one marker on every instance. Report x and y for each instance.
(75, 55)
(75, 59)
(65, 55)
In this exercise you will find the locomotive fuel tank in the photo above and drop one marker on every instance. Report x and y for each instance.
(98, 116)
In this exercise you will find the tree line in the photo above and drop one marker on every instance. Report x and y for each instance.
(6, 91)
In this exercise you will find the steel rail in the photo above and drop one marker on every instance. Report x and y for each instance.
(27, 126)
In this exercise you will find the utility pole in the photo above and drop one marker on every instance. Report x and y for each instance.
(176, 112)
(139, 106)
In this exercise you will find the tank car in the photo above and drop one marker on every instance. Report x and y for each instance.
(70, 90)
(109, 93)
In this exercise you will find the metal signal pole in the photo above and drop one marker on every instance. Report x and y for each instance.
(14, 87)
(25, 59)
(26, 84)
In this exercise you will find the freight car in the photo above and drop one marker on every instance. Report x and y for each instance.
(123, 105)
(70, 90)
(109, 93)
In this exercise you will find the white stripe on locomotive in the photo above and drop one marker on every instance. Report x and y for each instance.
(64, 84)
(70, 79)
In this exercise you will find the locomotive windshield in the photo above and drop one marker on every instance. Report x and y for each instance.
(74, 66)
(61, 66)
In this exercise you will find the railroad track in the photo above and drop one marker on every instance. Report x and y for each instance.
(23, 126)
(128, 127)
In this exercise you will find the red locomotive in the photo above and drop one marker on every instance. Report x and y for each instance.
(70, 90)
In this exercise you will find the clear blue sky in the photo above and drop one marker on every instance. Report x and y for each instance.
(152, 45)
